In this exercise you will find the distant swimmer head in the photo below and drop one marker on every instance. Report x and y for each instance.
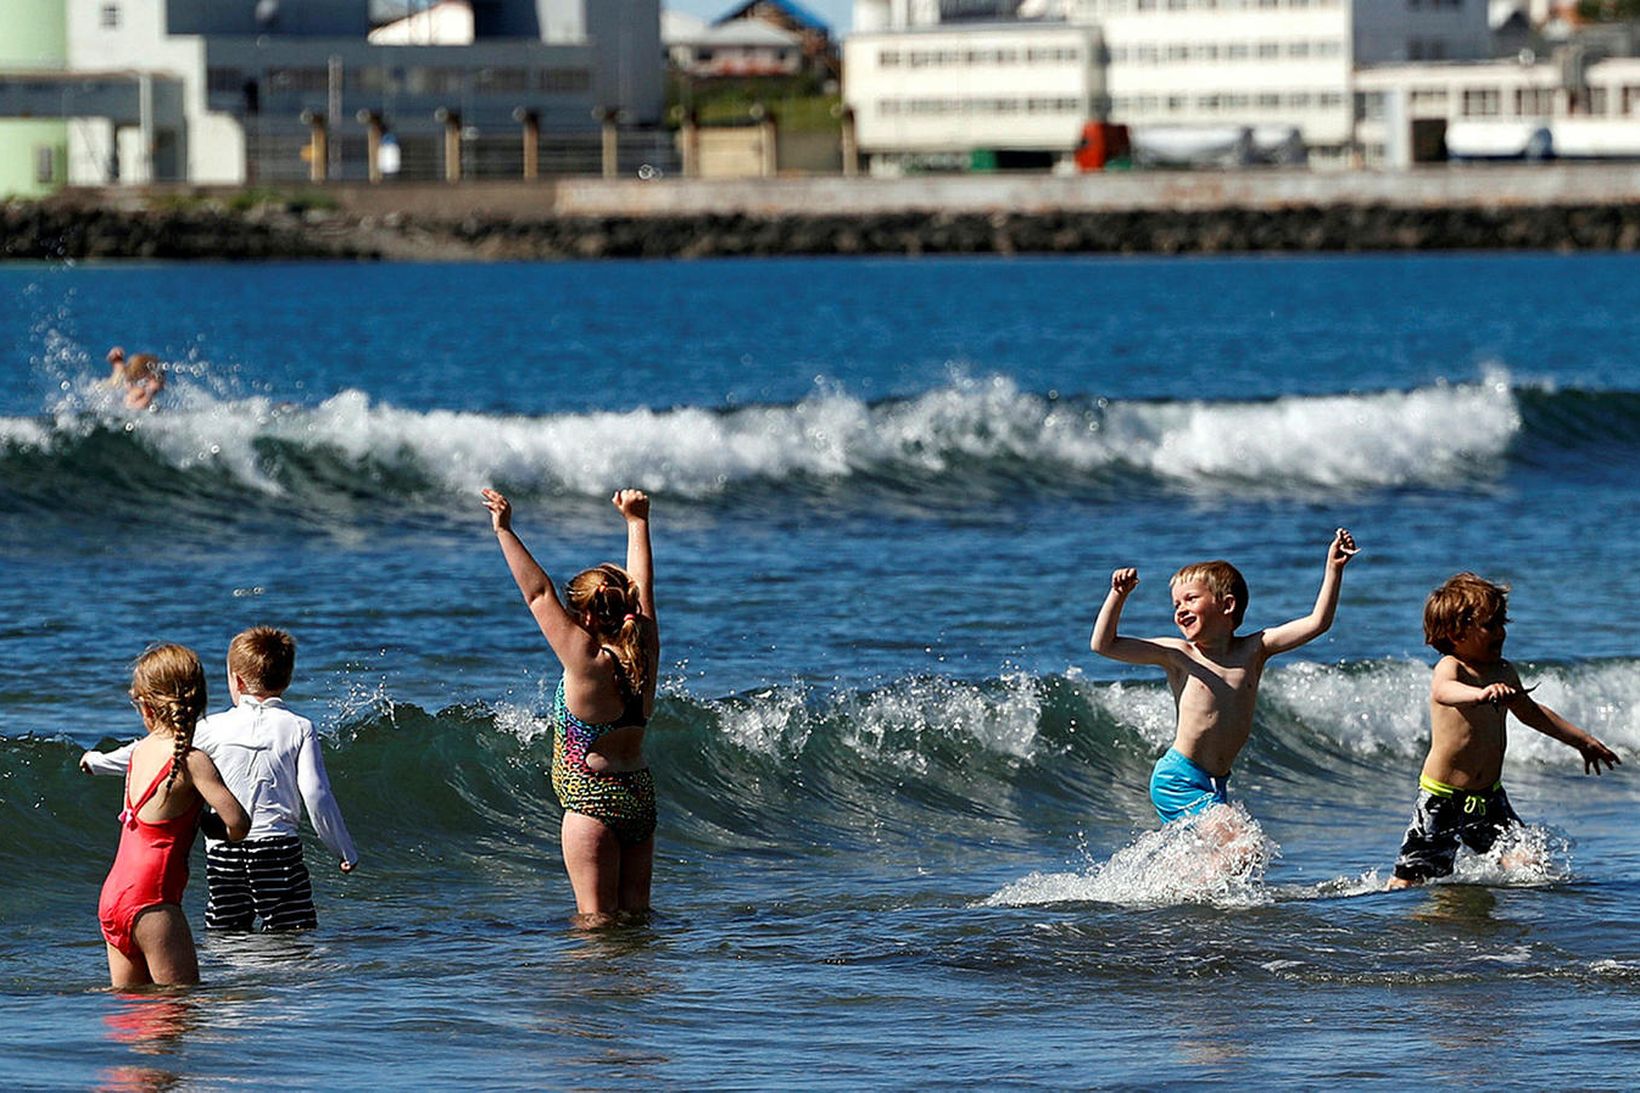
(1463, 605)
(1221, 580)
(168, 686)
(606, 599)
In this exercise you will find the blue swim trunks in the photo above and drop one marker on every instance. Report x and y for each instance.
(1180, 788)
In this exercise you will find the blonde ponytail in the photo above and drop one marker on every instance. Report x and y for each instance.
(608, 594)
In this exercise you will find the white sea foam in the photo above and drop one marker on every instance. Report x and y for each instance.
(1219, 857)
(1431, 435)
(895, 726)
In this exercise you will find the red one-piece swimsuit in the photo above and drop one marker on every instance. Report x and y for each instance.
(150, 868)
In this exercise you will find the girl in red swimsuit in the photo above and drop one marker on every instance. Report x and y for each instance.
(141, 906)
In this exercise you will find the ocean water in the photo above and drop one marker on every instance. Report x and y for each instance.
(905, 838)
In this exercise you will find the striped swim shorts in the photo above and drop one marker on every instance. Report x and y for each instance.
(258, 879)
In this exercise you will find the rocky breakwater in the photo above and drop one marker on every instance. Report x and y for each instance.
(79, 227)
(170, 228)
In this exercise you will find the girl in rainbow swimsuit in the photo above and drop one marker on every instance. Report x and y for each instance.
(604, 634)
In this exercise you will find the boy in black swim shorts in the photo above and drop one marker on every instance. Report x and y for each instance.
(1461, 797)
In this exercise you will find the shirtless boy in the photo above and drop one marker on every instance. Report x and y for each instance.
(1213, 671)
(1461, 797)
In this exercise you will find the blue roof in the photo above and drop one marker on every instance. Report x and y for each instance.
(797, 11)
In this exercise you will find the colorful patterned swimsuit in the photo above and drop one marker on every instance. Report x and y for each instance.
(623, 801)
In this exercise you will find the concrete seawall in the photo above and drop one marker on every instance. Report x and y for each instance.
(1554, 206)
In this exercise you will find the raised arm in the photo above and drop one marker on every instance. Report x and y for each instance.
(640, 562)
(572, 644)
(202, 772)
(1290, 635)
(322, 809)
(1107, 642)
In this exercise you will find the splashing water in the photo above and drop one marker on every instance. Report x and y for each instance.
(1217, 857)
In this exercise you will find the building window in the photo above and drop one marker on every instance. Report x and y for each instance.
(1533, 101)
(888, 58)
(564, 79)
(224, 81)
(1631, 99)
(1481, 103)
(45, 163)
(108, 17)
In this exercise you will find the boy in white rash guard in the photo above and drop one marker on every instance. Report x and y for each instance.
(270, 759)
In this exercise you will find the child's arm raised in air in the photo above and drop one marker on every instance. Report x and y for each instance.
(202, 772)
(633, 505)
(575, 648)
(1290, 635)
(1108, 643)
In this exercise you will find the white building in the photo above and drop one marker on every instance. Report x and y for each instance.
(933, 96)
(741, 47)
(1499, 109)
(442, 23)
(1149, 64)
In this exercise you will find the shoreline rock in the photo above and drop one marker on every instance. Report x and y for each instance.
(55, 230)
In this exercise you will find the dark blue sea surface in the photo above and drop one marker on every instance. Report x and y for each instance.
(905, 837)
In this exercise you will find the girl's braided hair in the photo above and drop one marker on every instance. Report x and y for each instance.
(170, 681)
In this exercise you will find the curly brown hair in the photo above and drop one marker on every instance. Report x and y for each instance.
(1465, 600)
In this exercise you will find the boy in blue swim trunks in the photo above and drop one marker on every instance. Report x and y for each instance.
(1213, 671)
(1473, 689)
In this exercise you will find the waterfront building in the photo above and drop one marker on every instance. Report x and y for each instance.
(280, 90)
(1527, 108)
(33, 151)
(740, 48)
(1176, 65)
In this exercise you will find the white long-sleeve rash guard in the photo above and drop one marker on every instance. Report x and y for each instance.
(270, 760)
